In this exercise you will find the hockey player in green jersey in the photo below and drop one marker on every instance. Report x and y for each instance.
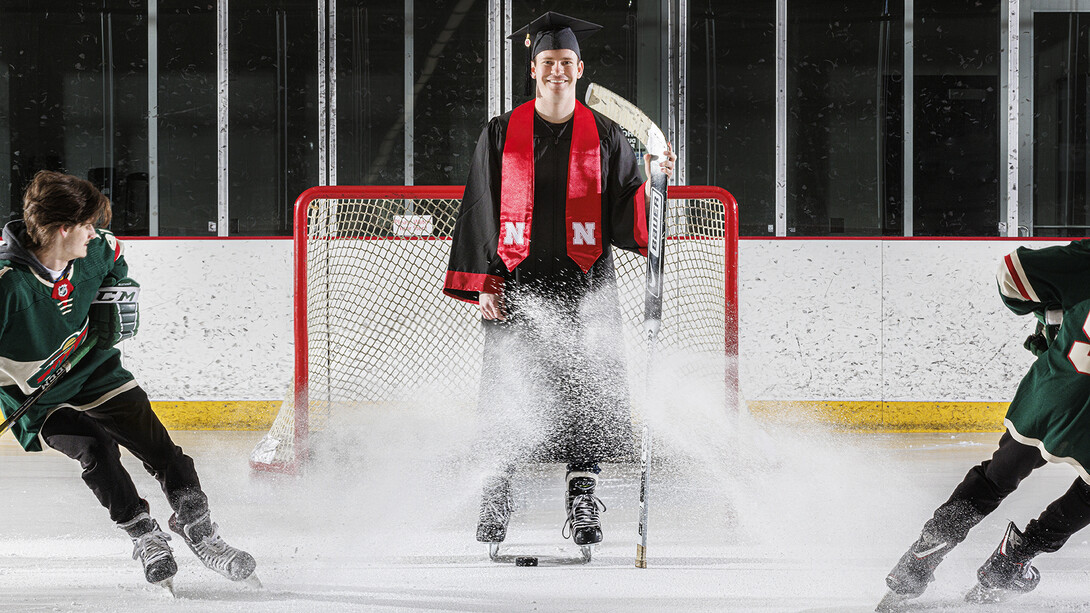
(64, 282)
(1048, 420)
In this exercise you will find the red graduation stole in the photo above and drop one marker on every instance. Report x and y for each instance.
(583, 206)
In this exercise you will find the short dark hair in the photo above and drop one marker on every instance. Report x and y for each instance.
(55, 199)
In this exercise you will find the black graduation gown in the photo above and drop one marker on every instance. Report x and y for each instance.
(553, 385)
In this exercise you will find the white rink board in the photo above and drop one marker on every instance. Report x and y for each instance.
(820, 320)
(215, 318)
(878, 320)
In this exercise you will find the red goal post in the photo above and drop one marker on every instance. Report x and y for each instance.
(371, 324)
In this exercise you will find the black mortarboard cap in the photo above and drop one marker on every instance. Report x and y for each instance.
(552, 31)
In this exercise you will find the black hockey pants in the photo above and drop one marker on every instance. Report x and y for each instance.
(986, 485)
(93, 437)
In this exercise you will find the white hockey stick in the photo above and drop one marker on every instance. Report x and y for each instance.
(631, 118)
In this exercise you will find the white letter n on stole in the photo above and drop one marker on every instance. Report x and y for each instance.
(514, 233)
(582, 233)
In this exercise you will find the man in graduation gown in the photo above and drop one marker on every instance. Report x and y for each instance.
(553, 186)
(1048, 420)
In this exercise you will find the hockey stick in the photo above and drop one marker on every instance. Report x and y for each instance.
(51, 380)
(654, 142)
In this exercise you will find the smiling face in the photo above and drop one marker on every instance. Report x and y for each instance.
(556, 72)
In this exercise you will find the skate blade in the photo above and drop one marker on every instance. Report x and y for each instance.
(988, 595)
(252, 582)
(587, 551)
(892, 602)
(168, 585)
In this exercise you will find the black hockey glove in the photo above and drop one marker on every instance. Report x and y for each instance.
(115, 314)
(1038, 342)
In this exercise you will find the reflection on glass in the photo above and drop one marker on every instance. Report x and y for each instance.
(74, 79)
(1061, 170)
(956, 129)
(732, 106)
(370, 100)
(450, 84)
(844, 76)
(273, 115)
(186, 96)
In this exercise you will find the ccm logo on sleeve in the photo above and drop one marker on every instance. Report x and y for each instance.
(117, 294)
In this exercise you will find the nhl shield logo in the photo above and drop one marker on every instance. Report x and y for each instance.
(62, 289)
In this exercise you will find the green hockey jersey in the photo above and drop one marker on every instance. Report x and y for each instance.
(42, 323)
(1051, 409)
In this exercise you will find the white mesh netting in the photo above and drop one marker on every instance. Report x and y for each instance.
(380, 331)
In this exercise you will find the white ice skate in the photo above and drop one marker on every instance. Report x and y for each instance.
(202, 537)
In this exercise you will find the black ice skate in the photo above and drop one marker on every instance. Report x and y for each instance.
(583, 524)
(150, 547)
(1008, 571)
(203, 538)
(496, 507)
(915, 569)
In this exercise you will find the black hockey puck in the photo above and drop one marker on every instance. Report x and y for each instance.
(526, 561)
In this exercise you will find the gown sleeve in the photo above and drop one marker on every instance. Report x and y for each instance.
(474, 265)
(623, 192)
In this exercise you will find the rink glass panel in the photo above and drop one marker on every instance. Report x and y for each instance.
(1061, 124)
(273, 67)
(73, 97)
(956, 118)
(379, 332)
(844, 119)
(728, 114)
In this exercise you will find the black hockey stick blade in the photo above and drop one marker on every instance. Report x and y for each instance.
(48, 384)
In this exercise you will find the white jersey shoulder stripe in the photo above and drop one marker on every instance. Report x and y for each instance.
(1012, 279)
(17, 373)
(116, 246)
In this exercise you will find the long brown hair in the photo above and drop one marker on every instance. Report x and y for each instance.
(55, 199)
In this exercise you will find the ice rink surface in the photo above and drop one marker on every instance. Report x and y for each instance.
(743, 518)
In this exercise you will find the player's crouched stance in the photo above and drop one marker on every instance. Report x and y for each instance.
(63, 284)
(1048, 420)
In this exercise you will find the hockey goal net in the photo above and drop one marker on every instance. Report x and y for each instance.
(373, 327)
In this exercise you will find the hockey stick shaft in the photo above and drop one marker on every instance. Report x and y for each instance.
(645, 484)
(652, 323)
(48, 384)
